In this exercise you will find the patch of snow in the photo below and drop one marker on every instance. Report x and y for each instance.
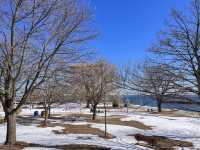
(64, 108)
(180, 128)
(2, 114)
(121, 132)
(46, 136)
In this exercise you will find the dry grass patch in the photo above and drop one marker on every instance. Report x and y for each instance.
(108, 107)
(83, 129)
(160, 142)
(117, 121)
(170, 113)
(80, 115)
(81, 147)
(22, 145)
(64, 116)
(17, 146)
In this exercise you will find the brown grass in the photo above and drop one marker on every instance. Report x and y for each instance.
(17, 146)
(160, 142)
(108, 107)
(80, 115)
(170, 113)
(116, 121)
(83, 129)
(21, 145)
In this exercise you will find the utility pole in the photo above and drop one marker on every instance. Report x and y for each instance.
(105, 118)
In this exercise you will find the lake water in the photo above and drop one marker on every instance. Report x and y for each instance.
(149, 101)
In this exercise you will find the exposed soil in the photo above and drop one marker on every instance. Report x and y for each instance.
(108, 107)
(21, 145)
(116, 121)
(160, 142)
(84, 129)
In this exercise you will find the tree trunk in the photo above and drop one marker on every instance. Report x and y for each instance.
(5, 120)
(49, 111)
(11, 129)
(45, 116)
(94, 112)
(88, 104)
(159, 105)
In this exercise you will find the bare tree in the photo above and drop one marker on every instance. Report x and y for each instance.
(152, 80)
(51, 92)
(97, 80)
(179, 44)
(32, 34)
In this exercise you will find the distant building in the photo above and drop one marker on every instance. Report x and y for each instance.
(80, 67)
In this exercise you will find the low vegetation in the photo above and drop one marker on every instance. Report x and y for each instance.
(114, 120)
(161, 142)
(83, 129)
(22, 145)
(117, 121)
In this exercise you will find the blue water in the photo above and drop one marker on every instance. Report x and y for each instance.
(149, 101)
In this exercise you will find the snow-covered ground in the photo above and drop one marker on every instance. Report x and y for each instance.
(58, 109)
(180, 128)
(46, 136)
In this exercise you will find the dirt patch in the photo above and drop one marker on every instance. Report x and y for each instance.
(80, 115)
(117, 121)
(83, 129)
(109, 107)
(17, 146)
(160, 142)
(67, 117)
(170, 113)
(22, 145)
(82, 147)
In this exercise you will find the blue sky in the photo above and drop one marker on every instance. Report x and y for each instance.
(128, 27)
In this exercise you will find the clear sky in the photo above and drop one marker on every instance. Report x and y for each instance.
(128, 27)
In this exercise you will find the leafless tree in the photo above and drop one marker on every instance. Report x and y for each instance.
(32, 34)
(152, 80)
(96, 80)
(179, 44)
(51, 92)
